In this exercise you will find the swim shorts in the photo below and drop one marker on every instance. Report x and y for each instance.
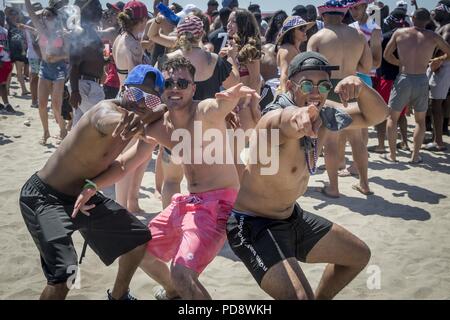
(439, 81)
(262, 242)
(110, 230)
(191, 230)
(409, 90)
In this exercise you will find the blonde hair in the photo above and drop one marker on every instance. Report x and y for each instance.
(126, 21)
(187, 41)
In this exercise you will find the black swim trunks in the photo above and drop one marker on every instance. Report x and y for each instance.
(261, 242)
(110, 230)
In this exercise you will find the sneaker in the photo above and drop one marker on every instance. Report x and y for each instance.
(2, 107)
(34, 105)
(126, 296)
(160, 294)
(9, 108)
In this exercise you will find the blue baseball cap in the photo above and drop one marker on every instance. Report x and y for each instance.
(138, 73)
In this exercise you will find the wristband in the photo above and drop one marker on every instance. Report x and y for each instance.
(90, 185)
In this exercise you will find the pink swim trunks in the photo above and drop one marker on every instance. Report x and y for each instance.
(192, 229)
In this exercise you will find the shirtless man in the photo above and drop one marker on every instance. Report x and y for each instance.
(411, 86)
(267, 229)
(86, 61)
(48, 197)
(346, 47)
(372, 33)
(191, 230)
(439, 75)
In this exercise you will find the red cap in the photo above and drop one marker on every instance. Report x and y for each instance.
(138, 8)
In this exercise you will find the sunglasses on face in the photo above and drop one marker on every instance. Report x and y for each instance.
(135, 95)
(302, 28)
(307, 86)
(180, 83)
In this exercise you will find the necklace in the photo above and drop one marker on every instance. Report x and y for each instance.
(313, 143)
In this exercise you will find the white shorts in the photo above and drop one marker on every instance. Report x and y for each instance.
(91, 93)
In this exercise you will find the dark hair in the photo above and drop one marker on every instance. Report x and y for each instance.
(126, 20)
(247, 37)
(445, 2)
(177, 7)
(254, 8)
(288, 37)
(422, 15)
(178, 63)
(275, 24)
(224, 14)
(91, 10)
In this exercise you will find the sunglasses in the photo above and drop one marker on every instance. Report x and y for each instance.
(302, 28)
(135, 95)
(180, 83)
(307, 86)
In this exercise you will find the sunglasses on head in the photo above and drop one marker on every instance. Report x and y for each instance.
(307, 86)
(180, 83)
(135, 95)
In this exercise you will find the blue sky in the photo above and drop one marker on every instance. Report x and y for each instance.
(267, 5)
(287, 5)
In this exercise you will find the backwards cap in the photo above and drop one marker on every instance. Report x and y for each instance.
(137, 76)
(309, 61)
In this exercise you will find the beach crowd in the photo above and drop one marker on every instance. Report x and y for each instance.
(239, 102)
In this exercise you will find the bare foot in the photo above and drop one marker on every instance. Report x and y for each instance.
(135, 209)
(348, 172)
(44, 139)
(325, 191)
(157, 195)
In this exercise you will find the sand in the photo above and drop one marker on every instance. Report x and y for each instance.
(406, 224)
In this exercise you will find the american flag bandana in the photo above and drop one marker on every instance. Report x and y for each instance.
(192, 24)
(135, 95)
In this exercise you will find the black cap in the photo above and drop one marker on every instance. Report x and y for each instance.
(309, 61)
(299, 10)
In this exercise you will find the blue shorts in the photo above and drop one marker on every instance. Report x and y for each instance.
(53, 71)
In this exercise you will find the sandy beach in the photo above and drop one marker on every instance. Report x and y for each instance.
(406, 224)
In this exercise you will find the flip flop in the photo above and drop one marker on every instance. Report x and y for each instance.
(419, 160)
(326, 194)
(346, 173)
(385, 157)
(359, 189)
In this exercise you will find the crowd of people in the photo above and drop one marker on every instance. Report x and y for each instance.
(124, 81)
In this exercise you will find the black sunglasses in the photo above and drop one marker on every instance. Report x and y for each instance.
(302, 28)
(180, 83)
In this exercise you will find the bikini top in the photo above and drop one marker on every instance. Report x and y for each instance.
(57, 42)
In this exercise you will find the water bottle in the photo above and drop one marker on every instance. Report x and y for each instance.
(168, 14)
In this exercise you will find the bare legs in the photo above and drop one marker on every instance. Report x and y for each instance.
(44, 90)
(346, 254)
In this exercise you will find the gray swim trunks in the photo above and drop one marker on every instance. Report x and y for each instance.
(439, 81)
(410, 90)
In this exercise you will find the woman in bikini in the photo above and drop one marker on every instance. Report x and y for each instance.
(53, 69)
(243, 33)
(291, 36)
(128, 53)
